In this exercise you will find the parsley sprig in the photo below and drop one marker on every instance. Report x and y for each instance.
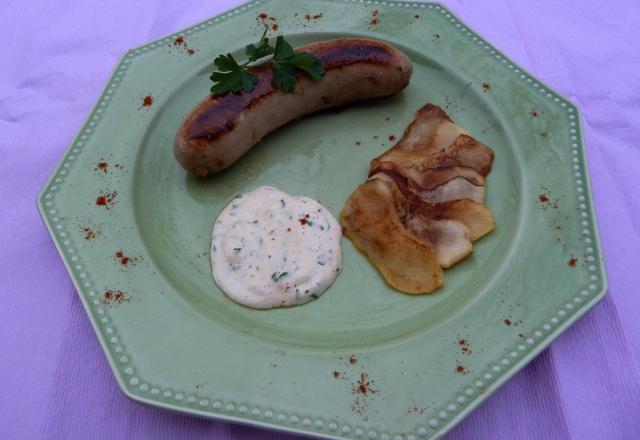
(233, 77)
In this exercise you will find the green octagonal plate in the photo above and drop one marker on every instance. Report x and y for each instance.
(174, 341)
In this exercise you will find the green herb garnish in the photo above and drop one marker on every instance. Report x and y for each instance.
(230, 76)
(277, 275)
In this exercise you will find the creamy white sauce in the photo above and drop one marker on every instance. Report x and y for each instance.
(270, 249)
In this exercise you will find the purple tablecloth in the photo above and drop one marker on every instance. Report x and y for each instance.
(56, 57)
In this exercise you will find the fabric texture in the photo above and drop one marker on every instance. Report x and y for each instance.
(54, 379)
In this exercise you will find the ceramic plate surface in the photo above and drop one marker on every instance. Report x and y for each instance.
(134, 232)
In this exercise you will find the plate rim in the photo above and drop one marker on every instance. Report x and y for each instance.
(439, 429)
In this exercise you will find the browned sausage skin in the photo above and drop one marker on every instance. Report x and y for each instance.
(221, 128)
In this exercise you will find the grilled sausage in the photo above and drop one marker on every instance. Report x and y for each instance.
(221, 128)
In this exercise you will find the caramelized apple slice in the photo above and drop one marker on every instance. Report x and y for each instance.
(434, 141)
(449, 239)
(455, 189)
(476, 217)
(431, 131)
(371, 219)
(430, 178)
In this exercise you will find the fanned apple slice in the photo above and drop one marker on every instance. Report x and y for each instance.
(465, 151)
(449, 239)
(430, 178)
(422, 206)
(371, 220)
(434, 141)
(476, 217)
(431, 131)
(455, 189)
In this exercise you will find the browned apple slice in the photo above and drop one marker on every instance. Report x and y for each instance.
(423, 200)
(430, 178)
(431, 131)
(449, 239)
(465, 151)
(443, 226)
(455, 189)
(476, 217)
(371, 220)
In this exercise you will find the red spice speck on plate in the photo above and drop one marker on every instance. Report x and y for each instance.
(374, 18)
(352, 360)
(102, 166)
(125, 260)
(262, 16)
(572, 262)
(106, 200)
(486, 87)
(534, 114)
(464, 346)
(336, 374)
(364, 385)
(507, 322)
(460, 369)
(178, 41)
(392, 138)
(543, 198)
(114, 297)
(147, 101)
(89, 234)
(191, 51)
(274, 26)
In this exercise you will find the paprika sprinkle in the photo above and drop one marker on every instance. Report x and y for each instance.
(147, 101)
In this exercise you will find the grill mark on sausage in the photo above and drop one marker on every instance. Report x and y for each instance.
(222, 111)
(340, 55)
(221, 114)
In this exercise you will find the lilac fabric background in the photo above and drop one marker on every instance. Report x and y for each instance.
(56, 57)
